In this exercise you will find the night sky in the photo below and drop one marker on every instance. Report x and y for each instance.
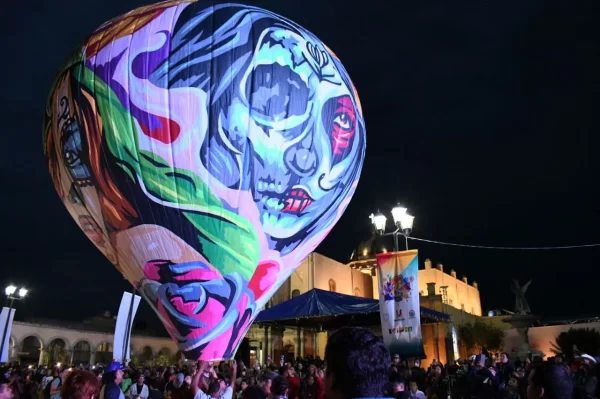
(481, 119)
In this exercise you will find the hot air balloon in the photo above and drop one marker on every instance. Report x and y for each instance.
(206, 150)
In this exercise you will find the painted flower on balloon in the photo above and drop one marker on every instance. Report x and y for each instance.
(202, 310)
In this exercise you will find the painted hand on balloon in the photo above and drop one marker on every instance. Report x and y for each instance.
(205, 312)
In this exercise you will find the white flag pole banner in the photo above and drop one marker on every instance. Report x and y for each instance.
(399, 303)
(121, 343)
(6, 320)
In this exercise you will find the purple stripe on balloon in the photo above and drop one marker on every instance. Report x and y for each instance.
(106, 71)
(145, 63)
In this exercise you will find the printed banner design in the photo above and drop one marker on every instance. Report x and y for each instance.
(6, 319)
(399, 303)
(122, 341)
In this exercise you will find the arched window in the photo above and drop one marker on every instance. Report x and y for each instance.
(30, 350)
(332, 285)
(165, 352)
(104, 353)
(146, 354)
(295, 293)
(82, 352)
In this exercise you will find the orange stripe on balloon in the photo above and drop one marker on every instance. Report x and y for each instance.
(358, 105)
(331, 52)
(126, 24)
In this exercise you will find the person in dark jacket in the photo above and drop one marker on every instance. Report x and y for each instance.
(505, 368)
(111, 379)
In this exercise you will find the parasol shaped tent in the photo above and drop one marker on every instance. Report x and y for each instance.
(331, 310)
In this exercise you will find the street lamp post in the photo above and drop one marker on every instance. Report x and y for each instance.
(12, 294)
(402, 220)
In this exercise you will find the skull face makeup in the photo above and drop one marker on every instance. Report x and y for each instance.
(303, 130)
(208, 149)
(287, 128)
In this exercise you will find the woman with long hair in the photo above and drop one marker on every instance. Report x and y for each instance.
(80, 384)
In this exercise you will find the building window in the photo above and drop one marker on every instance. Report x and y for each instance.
(357, 292)
(332, 285)
(295, 293)
(462, 307)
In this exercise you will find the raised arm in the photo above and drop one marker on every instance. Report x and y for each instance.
(196, 379)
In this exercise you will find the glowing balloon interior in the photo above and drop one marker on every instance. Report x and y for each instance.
(206, 151)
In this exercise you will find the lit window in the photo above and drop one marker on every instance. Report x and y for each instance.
(332, 285)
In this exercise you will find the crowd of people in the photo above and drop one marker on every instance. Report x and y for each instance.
(357, 365)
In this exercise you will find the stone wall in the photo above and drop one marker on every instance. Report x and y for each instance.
(461, 295)
(40, 337)
(539, 339)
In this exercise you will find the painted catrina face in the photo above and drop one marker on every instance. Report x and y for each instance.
(304, 131)
(289, 131)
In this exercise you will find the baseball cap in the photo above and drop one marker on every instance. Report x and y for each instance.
(588, 357)
(114, 366)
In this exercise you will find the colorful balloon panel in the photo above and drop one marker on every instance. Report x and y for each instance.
(206, 150)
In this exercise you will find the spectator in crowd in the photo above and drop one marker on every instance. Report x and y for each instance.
(139, 390)
(357, 364)
(279, 388)
(504, 368)
(413, 391)
(155, 392)
(254, 392)
(112, 379)
(127, 381)
(80, 384)
(549, 381)
(6, 391)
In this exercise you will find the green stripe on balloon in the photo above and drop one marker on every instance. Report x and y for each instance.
(229, 241)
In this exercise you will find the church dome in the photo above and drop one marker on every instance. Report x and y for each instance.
(367, 249)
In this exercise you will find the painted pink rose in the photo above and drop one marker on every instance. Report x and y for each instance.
(206, 313)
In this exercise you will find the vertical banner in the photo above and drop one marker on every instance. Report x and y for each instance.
(6, 320)
(399, 303)
(121, 343)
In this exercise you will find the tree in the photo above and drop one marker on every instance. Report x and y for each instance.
(139, 360)
(162, 360)
(587, 341)
(135, 361)
(56, 354)
(479, 334)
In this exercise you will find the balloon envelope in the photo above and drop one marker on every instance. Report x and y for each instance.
(206, 151)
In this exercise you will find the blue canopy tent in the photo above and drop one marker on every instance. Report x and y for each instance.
(330, 310)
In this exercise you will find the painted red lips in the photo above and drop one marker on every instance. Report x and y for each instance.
(297, 201)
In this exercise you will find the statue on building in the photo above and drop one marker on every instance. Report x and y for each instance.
(521, 305)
